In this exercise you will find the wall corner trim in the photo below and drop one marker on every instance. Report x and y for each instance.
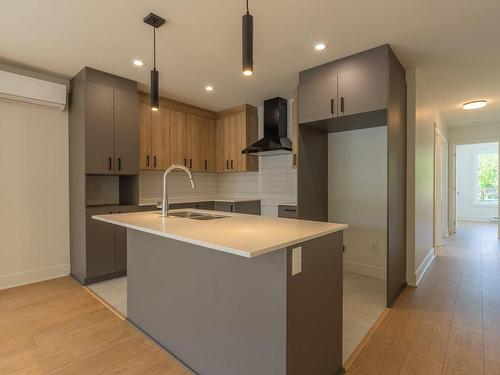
(413, 279)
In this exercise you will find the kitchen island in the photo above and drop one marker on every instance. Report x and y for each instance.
(241, 294)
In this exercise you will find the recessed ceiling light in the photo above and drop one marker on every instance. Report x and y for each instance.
(209, 88)
(320, 46)
(138, 63)
(475, 104)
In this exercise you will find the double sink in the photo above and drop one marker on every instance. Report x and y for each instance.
(196, 215)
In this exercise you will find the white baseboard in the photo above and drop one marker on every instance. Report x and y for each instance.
(28, 277)
(365, 269)
(413, 279)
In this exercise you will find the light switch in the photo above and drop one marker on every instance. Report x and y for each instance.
(296, 260)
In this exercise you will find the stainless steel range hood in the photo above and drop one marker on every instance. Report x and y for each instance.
(275, 141)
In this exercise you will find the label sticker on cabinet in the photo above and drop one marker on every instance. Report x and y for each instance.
(296, 260)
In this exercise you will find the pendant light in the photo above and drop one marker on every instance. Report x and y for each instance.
(247, 45)
(156, 22)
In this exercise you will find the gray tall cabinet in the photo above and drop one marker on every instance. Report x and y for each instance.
(103, 150)
(364, 90)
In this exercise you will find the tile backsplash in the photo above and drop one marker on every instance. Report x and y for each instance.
(275, 183)
(151, 187)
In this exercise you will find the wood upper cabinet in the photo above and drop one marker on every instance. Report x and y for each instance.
(195, 126)
(236, 129)
(178, 138)
(201, 144)
(193, 137)
(208, 145)
(126, 132)
(160, 139)
(223, 144)
(99, 137)
(154, 136)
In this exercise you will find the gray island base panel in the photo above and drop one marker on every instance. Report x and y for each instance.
(223, 314)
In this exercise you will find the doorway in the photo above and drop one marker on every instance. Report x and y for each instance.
(476, 184)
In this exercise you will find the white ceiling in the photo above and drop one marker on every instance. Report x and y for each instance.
(455, 43)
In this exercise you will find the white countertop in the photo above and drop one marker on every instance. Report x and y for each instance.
(239, 234)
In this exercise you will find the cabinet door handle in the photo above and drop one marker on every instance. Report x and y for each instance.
(290, 210)
(232, 167)
(190, 163)
(119, 164)
(185, 162)
(332, 106)
(342, 104)
(154, 161)
(227, 164)
(294, 159)
(147, 161)
(206, 164)
(110, 163)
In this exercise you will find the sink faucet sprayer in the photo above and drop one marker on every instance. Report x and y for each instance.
(164, 208)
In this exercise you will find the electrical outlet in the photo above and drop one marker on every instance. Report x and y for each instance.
(296, 260)
(374, 246)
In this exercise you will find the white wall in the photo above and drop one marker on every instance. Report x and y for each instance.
(357, 195)
(423, 117)
(467, 207)
(34, 194)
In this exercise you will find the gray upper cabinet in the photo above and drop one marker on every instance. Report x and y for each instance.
(362, 90)
(350, 86)
(99, 148)
(111, 121)
(318, 99)
(126, 132)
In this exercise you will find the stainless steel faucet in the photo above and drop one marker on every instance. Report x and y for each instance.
(164, 208)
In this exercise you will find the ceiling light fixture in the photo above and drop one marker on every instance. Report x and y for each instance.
(247, 43)
(209, 88)
(320, 46)
(156, 22)
(138, 63)
(476, 104)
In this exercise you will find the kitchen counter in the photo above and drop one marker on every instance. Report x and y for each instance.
(194, 200)
(245, 235)
(244, 294)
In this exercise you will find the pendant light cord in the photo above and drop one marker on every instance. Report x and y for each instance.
(154, 48)
(247, 8)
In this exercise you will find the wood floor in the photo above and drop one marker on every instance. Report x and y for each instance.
(56, 327)
(450, 324)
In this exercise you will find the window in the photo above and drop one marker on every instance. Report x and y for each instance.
(487, 178)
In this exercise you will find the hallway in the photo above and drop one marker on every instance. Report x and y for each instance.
(450, 324)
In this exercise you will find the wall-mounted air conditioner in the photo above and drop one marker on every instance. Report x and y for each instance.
(23, 89)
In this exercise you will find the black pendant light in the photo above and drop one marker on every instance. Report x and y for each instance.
(247, 45)
(154, 21)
